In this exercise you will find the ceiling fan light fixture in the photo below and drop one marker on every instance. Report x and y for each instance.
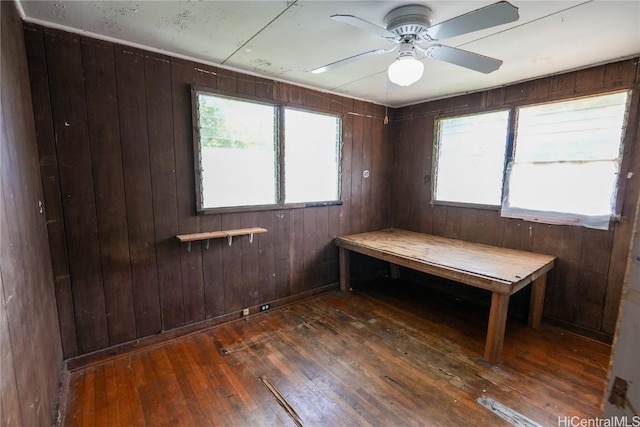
(406, 69)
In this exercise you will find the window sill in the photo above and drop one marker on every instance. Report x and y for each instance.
(465, 205)
(260, 208)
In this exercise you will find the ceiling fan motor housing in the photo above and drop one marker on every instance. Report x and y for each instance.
(410, 20)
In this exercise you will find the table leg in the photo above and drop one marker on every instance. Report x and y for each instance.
(497, 324)
(536, 303)
(345, 279)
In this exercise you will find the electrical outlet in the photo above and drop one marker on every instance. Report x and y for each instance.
(265, 307)
(245, 312)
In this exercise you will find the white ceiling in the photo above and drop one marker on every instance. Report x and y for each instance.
(285, 40)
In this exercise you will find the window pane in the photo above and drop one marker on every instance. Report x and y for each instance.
(578, 187)
(470, 158)
(312, 157)
(567, 161)
(582, 129)
(237, 152)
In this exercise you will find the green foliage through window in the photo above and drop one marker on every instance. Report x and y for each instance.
(230, 123)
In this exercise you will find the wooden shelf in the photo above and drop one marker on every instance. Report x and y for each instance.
(229, 234)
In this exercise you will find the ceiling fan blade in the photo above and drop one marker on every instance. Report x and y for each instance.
(349, 60)
(367, 26)
(486, 17)
(463, 58)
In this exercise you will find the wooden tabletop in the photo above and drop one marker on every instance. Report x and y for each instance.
(497, 264)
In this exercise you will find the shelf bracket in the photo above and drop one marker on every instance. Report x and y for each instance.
(188, 246)
(206, 245)
(251, 238)
(230, 240)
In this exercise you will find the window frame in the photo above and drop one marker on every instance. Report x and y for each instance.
(511, 148)
(279, 118)
(565, 218)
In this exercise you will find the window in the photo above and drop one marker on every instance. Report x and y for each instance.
(245, 159)
(562, 168)
(237, 160)
(470, 158)
(567, 160)
(312, 156)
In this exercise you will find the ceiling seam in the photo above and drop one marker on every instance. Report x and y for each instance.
(293, 3)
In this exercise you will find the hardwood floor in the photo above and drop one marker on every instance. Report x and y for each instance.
(388, 354)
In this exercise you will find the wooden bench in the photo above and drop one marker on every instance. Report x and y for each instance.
(499, 270)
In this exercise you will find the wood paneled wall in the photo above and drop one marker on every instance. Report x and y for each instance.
(30, 349)
(585, 287)
(115, 140)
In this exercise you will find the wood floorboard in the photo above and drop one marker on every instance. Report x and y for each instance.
(389, 353)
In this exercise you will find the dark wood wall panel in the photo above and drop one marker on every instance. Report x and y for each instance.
(30, 343)
(282, 237)
(182, 77)
(122, 174)
(266, 258)
(141, 300)
(212, 274)
(109, 186)
(323, 242)
(157, 73)
(357, 132)
(250, 274)
(71, 127)
(584, 289)
(331, 259)
(309, 262)
(296, 251)
(367, 152)
(347, 154)
(232, 268)
(51, 189)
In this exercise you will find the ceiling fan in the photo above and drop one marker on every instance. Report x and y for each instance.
(409, 26)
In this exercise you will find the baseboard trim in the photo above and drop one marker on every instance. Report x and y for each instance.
(103, 355)
(582, 331)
